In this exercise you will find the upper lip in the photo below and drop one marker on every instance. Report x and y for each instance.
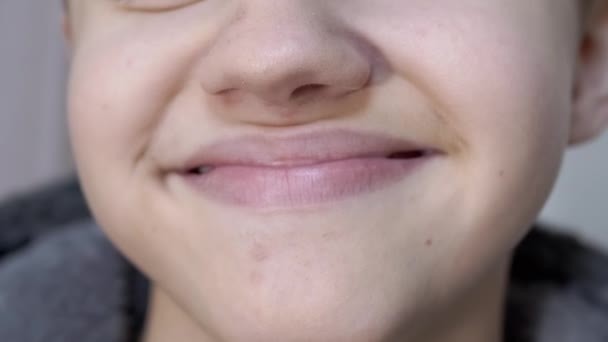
(302, 149)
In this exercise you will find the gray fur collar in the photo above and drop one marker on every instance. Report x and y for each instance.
(69, 285)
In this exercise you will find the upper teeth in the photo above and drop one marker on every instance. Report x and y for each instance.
(204, 169)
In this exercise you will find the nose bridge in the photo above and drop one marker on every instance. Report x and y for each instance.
(280, 50)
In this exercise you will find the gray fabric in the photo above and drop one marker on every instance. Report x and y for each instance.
(568, 317)
(66, 286)
(558, 290)
(559, 314)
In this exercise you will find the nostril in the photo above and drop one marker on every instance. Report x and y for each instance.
(306, 89)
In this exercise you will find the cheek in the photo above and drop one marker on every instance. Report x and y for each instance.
(121, 88)
(116, 100)
(501, 81)
(123, 84)
(512, 103)
(506, 89)
(125, 77)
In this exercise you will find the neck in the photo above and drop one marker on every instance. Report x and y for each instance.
(476, 316)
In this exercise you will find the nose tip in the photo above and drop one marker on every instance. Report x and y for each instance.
(279, 62)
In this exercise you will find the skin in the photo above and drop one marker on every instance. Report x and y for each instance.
(501, 87)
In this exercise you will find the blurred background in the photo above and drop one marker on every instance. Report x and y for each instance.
(34, 147)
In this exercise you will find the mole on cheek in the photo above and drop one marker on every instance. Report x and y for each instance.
(255, 277)
(259, 253)
(104, 107)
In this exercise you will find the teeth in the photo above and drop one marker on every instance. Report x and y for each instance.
(204, 169)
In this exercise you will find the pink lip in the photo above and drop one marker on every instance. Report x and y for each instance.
(307, 169)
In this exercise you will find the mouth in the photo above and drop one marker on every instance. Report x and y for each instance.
(399, 155)
(303, 170)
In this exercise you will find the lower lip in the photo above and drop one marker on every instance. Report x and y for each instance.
(304, 185)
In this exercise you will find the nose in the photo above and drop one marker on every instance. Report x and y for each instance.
(284, 53)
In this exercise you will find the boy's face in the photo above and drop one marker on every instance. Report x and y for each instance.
(487, 84)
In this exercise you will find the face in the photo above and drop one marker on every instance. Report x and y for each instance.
(275, 235)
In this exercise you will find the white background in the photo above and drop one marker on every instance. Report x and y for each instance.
(34, 147)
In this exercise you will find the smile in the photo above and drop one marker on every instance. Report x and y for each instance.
(311, 169)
